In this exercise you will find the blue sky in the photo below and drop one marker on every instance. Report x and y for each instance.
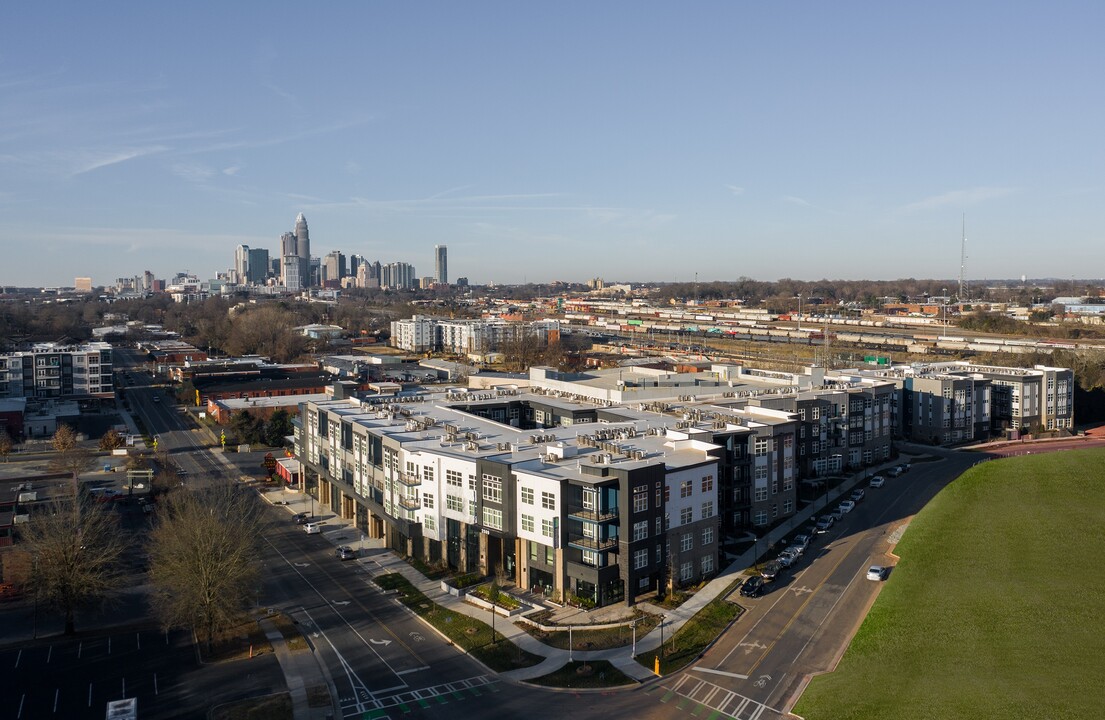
(569, 140)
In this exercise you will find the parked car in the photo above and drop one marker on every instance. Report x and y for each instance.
(753, 587)
(894, 471)
(824, 524)
(877, 572)
(770, 571)
(846, 507)
(857, 495)
(905, 467)
(802, 541)
(313, 528)
(788, 557)
(877, 482)
(300, 518)
(345, 552)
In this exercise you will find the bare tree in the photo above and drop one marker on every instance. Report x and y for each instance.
(6, 444)
(203, 560)
(112, 440)
(71, 457)
(75, 547)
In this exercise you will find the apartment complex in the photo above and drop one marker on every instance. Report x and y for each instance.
(423, 333)
(49, 370)
(951, 402)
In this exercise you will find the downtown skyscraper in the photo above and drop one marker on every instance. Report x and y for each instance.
(295, 256)
(441, 264)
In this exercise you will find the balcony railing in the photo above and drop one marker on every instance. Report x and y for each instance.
(587, 543)
(408, 479)
(595, 516)
(410, 503)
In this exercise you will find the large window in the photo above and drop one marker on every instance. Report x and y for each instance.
(492, 489)
(527, 523)
(454, 478)
(707, 509)
(452, 502)
(707, 536)
(640, 530)
(685, 488)
(527, 496)
(427, 501)
(429, 522)
(547, 528)
(640, 502)
(493, 518)
(686, 516)
(590, 557)
(760, 518)
(548, 500)
(708, 484)
(640, 559)
(686, 542)
(761, 494)
(428, 473)
(686, 571)
(707, 564)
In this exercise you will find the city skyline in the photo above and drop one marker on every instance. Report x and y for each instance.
(631, 142)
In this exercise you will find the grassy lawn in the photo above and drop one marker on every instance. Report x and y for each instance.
(235, 643)
(467, 633)
(696, 634)
(293, 638)
(594, 674)
(997, 607)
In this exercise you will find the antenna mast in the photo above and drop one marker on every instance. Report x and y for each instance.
(963, 258)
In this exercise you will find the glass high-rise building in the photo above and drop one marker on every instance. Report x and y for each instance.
(441, 264)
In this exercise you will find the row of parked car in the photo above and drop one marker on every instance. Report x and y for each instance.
(754, 586)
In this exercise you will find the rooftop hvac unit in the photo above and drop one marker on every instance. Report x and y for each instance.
(472, 447)
(596, 458)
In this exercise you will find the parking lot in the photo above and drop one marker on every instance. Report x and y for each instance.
(75, 678)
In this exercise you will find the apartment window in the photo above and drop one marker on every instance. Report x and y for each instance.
(492, 489)
(667, 493)
(761, 473)
(707, 564)
(659, 495)
(588, 499)
(760, 517)
(493, 518)
(428, 473)
(412, 469)
(527, 523)
(659, 526)
(686, 542)
(640, 530)
(527, 496)
(429, 522)
(590, 557)
(452, 502)
(550, 555)
(788, 507)
(707, 509)
(685, 516)
(707, 536)
(640, 559)
(547, 528)
(548, 501)
(686, 571)
(454, 478)
(774, 510)
(685, 489)
(761, 494)
(762, 446)
(708, 484)
(640, 502)
(788, 484)
(428, 501)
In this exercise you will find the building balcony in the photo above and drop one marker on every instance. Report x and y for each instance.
(408, 480)
(593, 516)
(409, 503)
(586, 543)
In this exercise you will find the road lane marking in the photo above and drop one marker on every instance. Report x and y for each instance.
(89, 694)
(57, 691)
(19, 714)
(49, 654)
(18, 655)
(720, 672)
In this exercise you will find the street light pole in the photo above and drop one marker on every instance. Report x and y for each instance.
(799, 312)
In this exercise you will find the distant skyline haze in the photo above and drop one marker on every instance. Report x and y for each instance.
(629, 141)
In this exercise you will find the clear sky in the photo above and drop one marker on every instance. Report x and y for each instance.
(566, 140)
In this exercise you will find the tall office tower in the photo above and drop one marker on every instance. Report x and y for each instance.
(288, 256)
(398, 275)
(241, 264)
(441, 264)
(258, 265)
(333, 268)
(303, 242)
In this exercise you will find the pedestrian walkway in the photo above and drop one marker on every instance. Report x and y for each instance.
(301, 672)
(379, 560)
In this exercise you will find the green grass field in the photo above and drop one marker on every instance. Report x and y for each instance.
(996, 608)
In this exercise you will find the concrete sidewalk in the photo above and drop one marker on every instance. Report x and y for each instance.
(301, 672)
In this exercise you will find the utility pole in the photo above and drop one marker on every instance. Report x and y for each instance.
(963, 259)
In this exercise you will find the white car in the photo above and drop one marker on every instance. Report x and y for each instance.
(312, 528)
(877, 573)
(878, 481)
(846, 507)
